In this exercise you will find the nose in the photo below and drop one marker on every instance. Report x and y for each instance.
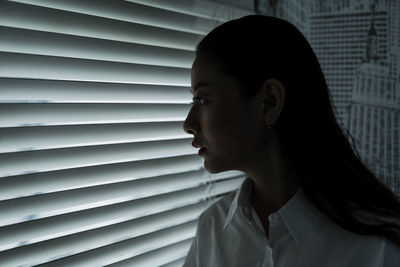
(189, 125)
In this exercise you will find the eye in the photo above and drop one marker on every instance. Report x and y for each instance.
(198, 98)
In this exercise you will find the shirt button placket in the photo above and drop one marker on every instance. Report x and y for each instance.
(247, 215)
(269, 262)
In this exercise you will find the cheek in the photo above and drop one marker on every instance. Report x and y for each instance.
(216, 127)
(225, 130)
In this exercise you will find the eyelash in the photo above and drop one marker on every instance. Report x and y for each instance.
(197, 97)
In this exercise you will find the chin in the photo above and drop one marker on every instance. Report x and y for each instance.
(212, 168)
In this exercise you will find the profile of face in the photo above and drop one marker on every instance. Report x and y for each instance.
(227, 125)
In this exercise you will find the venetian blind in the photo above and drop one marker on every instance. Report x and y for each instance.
(95, 168)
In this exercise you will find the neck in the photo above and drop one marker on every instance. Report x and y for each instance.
(268, 199)
(274, 183)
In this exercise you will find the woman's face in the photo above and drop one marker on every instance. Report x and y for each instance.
(221, 120)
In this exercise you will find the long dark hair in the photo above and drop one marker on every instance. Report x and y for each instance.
(255, 48)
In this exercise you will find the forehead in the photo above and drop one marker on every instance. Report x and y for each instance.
(206, 75)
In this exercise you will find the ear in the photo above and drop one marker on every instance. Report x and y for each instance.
(273, 99)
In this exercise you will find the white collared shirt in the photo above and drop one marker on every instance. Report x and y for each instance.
(229, 233)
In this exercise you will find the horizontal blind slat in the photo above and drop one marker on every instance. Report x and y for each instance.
(35, 114)
(53, 91)
(51, 204)
(13, 65)
(67, 158)
(130, 248)
(79, 201)
(64, 45)
(102, 237)
(21, 115)
(206, 9)
(178, 262)
(127, 249)
(19, 139)
(78, 243)
(32, 233)
(52, 20)
(63, 180)
(159, 256)
(61, 202)
(131, 12)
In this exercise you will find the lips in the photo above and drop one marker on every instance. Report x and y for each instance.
(196, 144)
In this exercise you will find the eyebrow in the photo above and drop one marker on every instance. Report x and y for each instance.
(198, 85)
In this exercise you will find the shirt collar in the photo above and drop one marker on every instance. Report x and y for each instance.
(299, 214)
(242, 194)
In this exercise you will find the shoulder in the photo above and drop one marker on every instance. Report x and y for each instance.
(391, 253)
(208, 230)
(370, 249)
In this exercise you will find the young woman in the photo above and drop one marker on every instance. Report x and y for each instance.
(262, 106)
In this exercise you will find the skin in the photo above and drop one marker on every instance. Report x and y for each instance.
(235, 133)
